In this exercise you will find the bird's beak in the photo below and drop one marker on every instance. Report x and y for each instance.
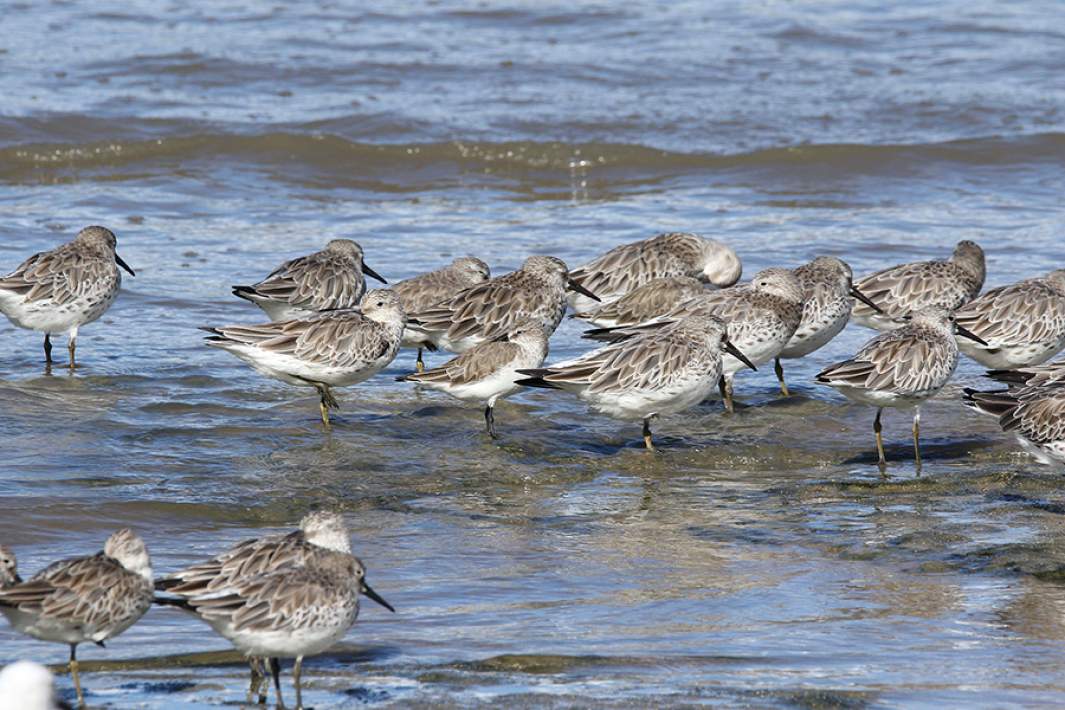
(376, 597)
(865, 299)
(574, 286)
(370, 272)
(124, 265)
(966, 333)
(735, 352)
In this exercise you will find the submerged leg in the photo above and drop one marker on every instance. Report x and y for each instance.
(48, 348)
(780, 377)
(879, 437)
(917, 436)
(72, 345)
(647, 442)
(257, 678)
(275, 671)
(74, 675)
(419, 366)
(327, 401)
(296, 677)
(490, 421)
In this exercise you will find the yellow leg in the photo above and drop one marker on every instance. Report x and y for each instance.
(917, 437)
(74, 676)
(419, 366)
(71, 347)
(296, 671)
(780, 377)
(648, 443)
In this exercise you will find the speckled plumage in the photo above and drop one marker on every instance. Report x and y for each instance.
(426, 290)
(629, 266)
(332, 349)
(907, 288)
(663, 371)
(535, 292)
(8, 567)
(1035, 415)
(899, 368)
(83, 599)
(645, 302)
(330, 279)
(1023, 323)
(61, 290)
(488, 371)
(286, 596)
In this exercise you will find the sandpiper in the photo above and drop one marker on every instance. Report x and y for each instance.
(1023, 323)
(629, 266)
(327, 280)
(84, 598)
(425, 290)
(331, 349)
(61, 290)
(906, 288)
(1035, 415)
(645, 302)
(762, 316)
(901, 368)
(535, 292)
(663, 371)
(826, 307)
(279, 597)
(488, 371)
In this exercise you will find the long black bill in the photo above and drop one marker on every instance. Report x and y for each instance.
(376, 597)
(966, 333)
(124, 265)
(865, 299)
(574, 286)
(370, 272)
(735, 352)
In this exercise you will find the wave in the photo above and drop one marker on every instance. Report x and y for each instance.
(302, 156)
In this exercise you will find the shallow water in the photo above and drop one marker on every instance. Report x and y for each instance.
(758, 560)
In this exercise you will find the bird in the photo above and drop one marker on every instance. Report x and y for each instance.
(84, 599)
(1023, 323)
(629, 266)
(425, 290)
(644, 303)
(901, 368)
(536, 291)
(61, 290)
(25, 685)
(642, 376)
(8, 567)
(826, 307)
(906, 288)
(330, 349)
(488, 371)
(327, 280)
(762, 316)
(1035, 415)
(282, 596)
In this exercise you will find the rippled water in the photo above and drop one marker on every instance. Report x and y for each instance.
(757, 560)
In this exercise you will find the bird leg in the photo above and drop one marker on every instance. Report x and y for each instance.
(419, 365)
(780, 377)
(490, 421)
(74, 675)
(275, 671)
(879, 438)
(48, 348)
(296, 676)
(257, 678)
(917, 436)
(72, 345)
(328, 401)
(725, 386)
(647, 442)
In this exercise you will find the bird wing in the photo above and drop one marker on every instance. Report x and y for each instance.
(489, 309)
(315, 282)
(1029, 311)
(902, 288)
(60, 275)
(340, 339)
(475, 364)
(892, 362)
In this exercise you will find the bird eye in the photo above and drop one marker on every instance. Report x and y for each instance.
(380, 303)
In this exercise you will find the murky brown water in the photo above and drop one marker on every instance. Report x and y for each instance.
(758, 560)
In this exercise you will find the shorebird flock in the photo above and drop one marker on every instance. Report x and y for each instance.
(675, 325)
